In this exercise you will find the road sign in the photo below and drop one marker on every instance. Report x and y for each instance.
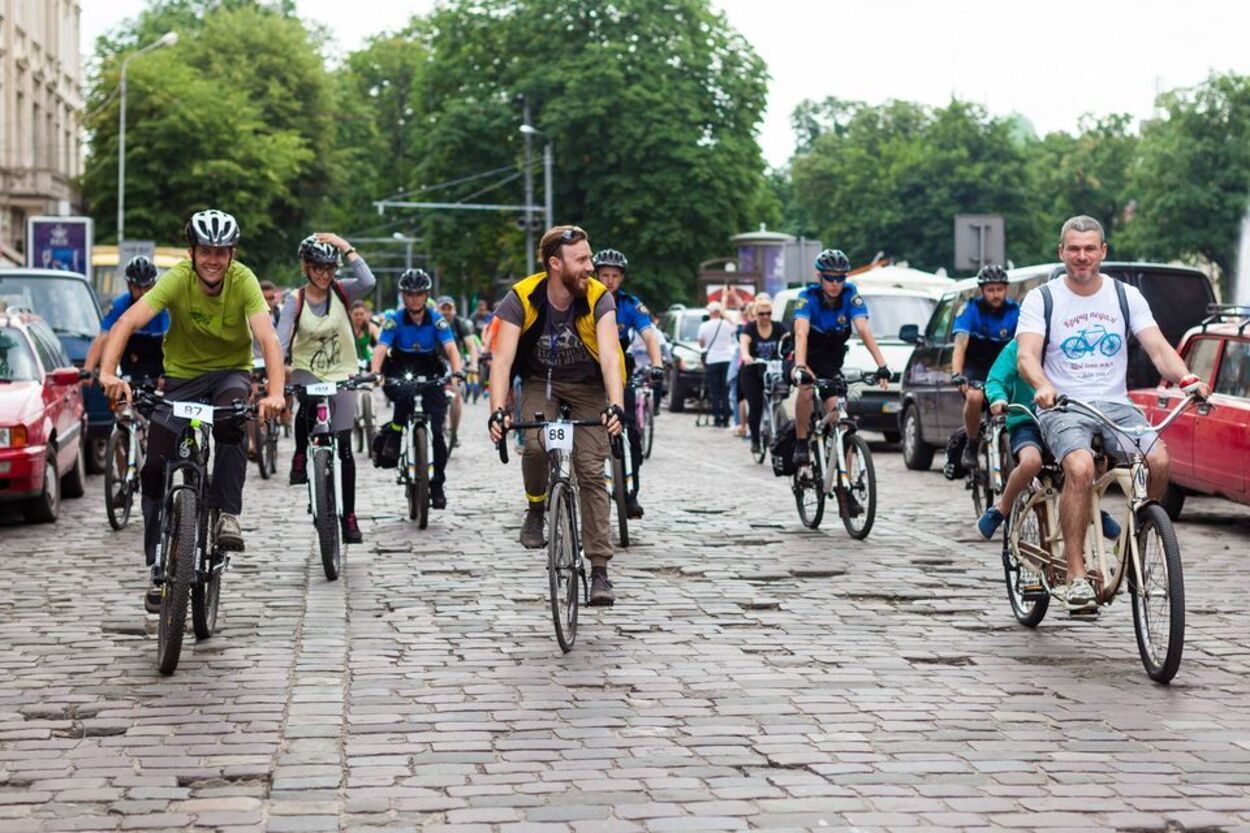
(979, 239)
(59, 243)
(133, 248)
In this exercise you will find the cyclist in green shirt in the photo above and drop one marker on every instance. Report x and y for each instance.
(216, 307)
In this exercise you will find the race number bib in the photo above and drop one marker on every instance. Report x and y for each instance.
(192, 410)
(559, 436)
(321, 389)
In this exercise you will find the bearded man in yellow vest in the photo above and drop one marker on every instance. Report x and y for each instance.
(558, 333)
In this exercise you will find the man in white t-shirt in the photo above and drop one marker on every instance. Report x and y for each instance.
(717, 337)
(1086, 358)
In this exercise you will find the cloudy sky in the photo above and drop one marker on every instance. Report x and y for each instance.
(1051, 60)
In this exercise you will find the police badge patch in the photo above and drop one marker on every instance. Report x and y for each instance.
(389, 324)
(857, 301)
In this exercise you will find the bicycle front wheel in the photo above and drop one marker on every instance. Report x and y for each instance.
(1158, 594)
(562, 564)
(619, 488)
(205, 596)
(1026, 528)
(648, 428)
(419, 496)
(119, 494)
(808, 483)
(263, 449)
(327, 516)
(368, 424)
(859, 504)
(765, 438)
(179, 557)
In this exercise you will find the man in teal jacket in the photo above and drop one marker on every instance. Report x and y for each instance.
(1005, 385)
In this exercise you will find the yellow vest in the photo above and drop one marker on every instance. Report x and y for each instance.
(532, 292)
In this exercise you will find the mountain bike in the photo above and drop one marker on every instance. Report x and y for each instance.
(1147, 553)
(451, 425)
(364, 426)
(840, 464)
(416, 454)
(987, 479)
(773, 416)
(188, 561)
(644, 410)
(566, 566)
(264, 432)
(127, 448)
(325, 479)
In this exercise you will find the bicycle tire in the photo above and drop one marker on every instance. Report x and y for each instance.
(864, 492)
(179, 555)
(765, 437)
(273, 446)
(421, 489)
(262, 449)
(327, 516)
(116, 488)
(809, 488)
(1032, 528)
(370, 427)
(563, 581)
(619, 488)
(205, 597)
(976, 484)
(1161, 669)
(648, 428)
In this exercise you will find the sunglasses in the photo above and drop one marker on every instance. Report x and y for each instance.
(765, 314)
(572, 234)
(834, 278)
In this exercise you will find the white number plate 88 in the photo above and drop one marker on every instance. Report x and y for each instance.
(559, 435)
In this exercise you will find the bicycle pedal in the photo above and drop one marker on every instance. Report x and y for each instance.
(1033, 594)
(1088, 614)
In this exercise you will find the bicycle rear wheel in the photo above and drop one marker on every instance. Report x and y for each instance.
(1158, 595)
(1026, 527)
(647, 429)
(419, 497)
(765, 437)
(262, 449)
(808, 484)
(273, 446)
(562, 576)
(179, 556)
(205, 596)
(619, 489)
(119, 494)
(327, 516)
(860, 501)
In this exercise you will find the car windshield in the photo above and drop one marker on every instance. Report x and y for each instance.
(17, 363)
(65, 303)
(689, 327)
(888, 313)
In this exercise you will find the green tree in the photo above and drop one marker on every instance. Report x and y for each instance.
(1193, 177)
(238, 115)
(892, 177)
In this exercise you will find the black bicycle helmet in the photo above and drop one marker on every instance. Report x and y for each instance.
(212, 228)
(991, 273)
(610, 257)
(140, 271)
(316, 251)
(833, 260)
(415, 280)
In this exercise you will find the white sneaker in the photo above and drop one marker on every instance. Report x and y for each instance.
(1081, 598)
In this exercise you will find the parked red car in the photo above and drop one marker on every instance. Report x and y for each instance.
(42, 421)
(1209, 444)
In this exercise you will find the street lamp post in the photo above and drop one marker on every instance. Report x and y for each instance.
(167, 39)
(548, 161)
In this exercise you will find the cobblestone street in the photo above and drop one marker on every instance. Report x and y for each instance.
(752, 674)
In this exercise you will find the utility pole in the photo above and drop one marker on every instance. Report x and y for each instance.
(529, 189)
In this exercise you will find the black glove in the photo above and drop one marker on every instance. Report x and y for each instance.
(884, 374)
(497, 418)
(614, 411)
(958, 379)
(657, 375)
(800, 376)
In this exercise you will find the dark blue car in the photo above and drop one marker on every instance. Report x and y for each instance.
(66, 301)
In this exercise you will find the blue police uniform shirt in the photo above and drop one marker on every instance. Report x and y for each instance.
(631, 314)
(980, 322)
(158, 326)
(826, 319)
(400, 333)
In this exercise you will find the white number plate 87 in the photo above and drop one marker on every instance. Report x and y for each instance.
(193, 410)
(559, 435)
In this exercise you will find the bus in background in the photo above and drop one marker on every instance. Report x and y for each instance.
(107, 277)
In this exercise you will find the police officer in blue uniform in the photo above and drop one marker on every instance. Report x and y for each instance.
(825, 315)
(632, 317)
(413, 340)
(982, 329)
(143, 357)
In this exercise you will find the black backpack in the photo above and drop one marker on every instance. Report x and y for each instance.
(782, 450)
(386, 447)
(953, 468)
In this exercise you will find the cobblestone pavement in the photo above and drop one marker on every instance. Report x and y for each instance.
(752, 675)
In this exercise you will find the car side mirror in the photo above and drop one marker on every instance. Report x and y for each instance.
(65, 376)
(910, 333)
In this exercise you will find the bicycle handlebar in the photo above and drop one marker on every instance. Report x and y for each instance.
(1063, 403)
(416, 382)
(152, 400)
(347, 384)
(502, 445)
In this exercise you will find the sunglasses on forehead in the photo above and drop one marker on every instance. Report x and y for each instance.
(572, 234)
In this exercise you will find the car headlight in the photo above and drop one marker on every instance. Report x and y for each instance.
(14, 437)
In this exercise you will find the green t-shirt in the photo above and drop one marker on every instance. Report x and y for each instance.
(206, 332)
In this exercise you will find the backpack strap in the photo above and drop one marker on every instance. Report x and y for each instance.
(1122, 297)
(1048, 307)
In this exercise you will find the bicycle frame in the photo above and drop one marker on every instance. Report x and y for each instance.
(408, 450)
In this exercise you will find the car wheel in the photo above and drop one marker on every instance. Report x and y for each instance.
(97, 455)
(47, 506)
(1173, 501)
(917, 455)
(74, 483)
(676, 394)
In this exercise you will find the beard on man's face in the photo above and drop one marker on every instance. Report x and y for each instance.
(576, 285)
